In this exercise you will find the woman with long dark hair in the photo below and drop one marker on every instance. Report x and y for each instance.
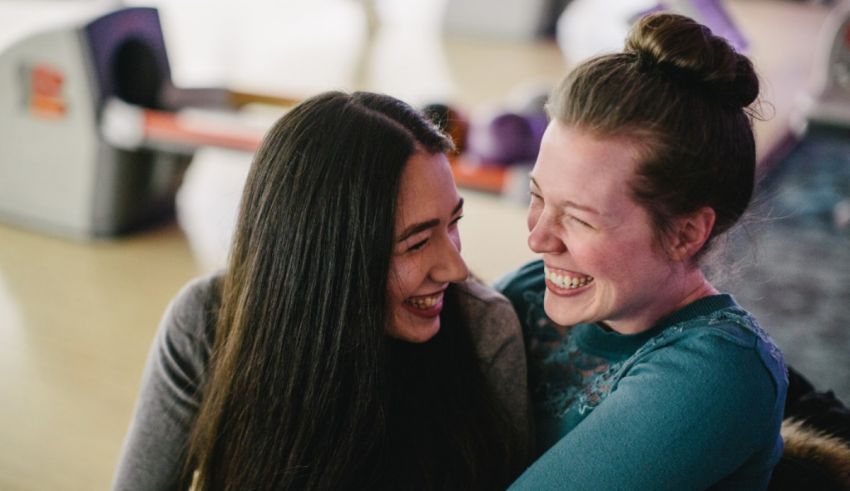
(343, 346)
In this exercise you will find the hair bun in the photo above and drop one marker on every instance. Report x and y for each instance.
(687, 51)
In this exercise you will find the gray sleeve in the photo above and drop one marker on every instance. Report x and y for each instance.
(154, 448)
(498, 340)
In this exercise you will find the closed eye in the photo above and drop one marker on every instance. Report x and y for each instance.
(580, 221)
(417, 246)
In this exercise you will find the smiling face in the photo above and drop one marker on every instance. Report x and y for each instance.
(601, 261)
(426, 256)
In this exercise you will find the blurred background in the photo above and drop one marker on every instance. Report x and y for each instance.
(126, 131)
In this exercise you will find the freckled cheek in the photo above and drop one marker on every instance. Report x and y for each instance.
(612, 264)
(593, 257)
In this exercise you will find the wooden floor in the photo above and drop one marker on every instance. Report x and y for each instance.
(76, 319)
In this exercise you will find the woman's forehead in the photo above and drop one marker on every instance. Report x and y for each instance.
(584, 168)
(427, 188)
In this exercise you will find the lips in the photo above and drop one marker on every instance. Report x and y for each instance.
(565, 283)
(426, 306)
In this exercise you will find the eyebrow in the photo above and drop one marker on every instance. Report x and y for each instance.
(571, 204)
(422, 226)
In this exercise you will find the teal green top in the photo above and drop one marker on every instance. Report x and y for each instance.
(695, 402)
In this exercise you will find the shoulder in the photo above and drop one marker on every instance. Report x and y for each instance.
(483, 307)
(495, 332)
(170, 392)
(197, 297)
(728, 347)
(474, 294)
(738, 326)
(491, 319)
(188, 325)
(711, 375)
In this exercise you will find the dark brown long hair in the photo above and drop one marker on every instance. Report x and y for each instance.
(304, 390)
(682, 95)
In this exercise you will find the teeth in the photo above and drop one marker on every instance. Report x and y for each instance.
(424, 303)
(567, 282)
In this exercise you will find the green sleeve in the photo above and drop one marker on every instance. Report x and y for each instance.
(516, 284)
(684, 417)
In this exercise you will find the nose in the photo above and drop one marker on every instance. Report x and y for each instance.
(543, 233)
(449, 266)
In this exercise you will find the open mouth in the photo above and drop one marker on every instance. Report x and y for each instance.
(566, 280)
(425, 305)
(425, 302)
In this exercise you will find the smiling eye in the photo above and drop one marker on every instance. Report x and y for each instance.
(580, 222)
(535, 201)
(454, 222)
(417, 246)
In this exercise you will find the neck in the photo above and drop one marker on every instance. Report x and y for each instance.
(701, 288)
(691, 287)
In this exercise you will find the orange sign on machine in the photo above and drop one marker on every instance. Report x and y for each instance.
(46, 99)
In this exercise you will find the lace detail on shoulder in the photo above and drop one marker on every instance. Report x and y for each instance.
(748, 322)
(561, 374)
(566, 378)
(584, 383)
(607, 381)
(723, 316)
(598, 389)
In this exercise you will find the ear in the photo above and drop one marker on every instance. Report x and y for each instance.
(691, 233)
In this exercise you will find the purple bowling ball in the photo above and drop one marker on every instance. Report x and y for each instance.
(507, 138)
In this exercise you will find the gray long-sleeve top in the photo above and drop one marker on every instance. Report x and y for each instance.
(154, 448)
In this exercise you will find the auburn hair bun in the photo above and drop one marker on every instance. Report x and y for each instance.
(688, 53)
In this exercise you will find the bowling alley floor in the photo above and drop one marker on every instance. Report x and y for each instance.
(76, 318)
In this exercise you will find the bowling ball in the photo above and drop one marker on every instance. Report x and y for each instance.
(507, 138)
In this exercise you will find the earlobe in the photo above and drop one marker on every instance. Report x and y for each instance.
(692, 232)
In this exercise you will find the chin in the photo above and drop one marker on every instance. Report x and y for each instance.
(415, 334)
(560, 314)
